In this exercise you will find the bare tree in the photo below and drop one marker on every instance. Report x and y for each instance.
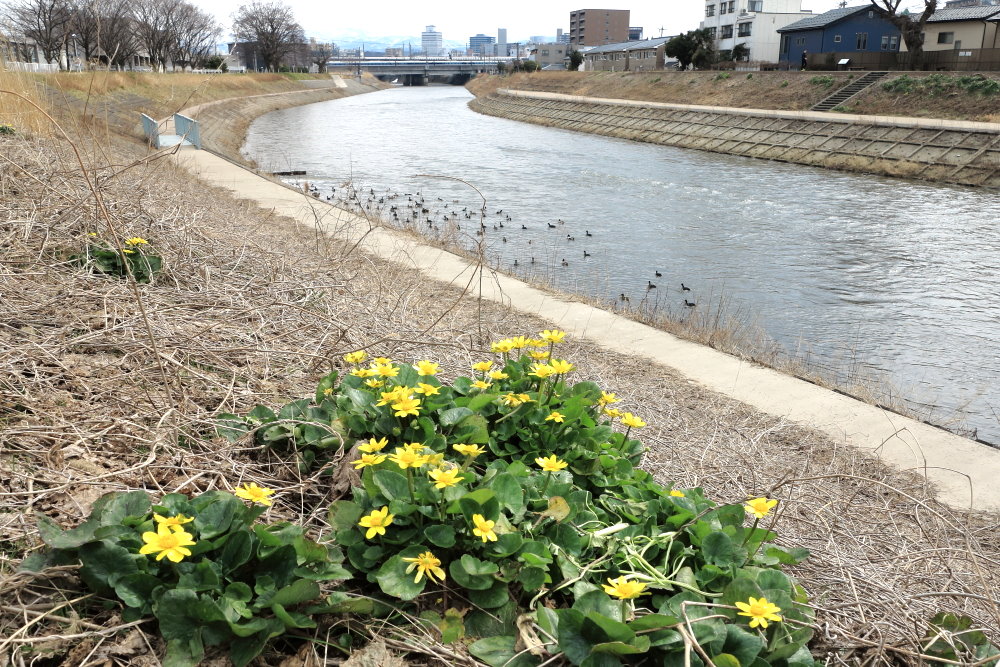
(44, 21)
(104, 28)
(911, 28)
(271, 26)
(319, 53)
(156, 28)
(197, 33)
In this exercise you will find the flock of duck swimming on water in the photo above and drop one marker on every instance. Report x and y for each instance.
(416, 209)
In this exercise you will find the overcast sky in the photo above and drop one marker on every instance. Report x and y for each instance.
(458, 20)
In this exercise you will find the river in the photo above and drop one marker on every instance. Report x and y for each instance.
(890, 281)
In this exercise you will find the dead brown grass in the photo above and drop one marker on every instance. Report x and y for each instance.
(106, 387)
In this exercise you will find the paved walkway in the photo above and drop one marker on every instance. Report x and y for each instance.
(966, 473)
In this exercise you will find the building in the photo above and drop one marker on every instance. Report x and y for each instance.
(961, 29)
(635, 34)
(641, 56)
(432, 42)
(847, 32)
(550, 55)
(752, 23)
(595, 27)
(958, 4)
(479, 44)
(562, 37)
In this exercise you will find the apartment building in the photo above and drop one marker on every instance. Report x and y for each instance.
(752, 23)
(595, 27)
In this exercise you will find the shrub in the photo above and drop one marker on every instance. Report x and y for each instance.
(7, 130)
(722, 76)
(824, 81)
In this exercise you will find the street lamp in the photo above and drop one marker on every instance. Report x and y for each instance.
(76, 55)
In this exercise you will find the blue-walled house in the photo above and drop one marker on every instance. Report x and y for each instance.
(845, 30)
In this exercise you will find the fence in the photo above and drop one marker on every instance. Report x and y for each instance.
(29, 67)
(959, 60)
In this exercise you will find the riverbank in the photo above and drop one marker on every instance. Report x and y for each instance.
(912, 94)
(114, 388)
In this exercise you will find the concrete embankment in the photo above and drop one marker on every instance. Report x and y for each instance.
(944, 151)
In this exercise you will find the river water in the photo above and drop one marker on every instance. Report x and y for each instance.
(857, 276)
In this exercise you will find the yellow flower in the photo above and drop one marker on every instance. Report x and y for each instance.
(128, 252)
(514, 400)
(760, 508)
(560, 366)
(537, 342)
(479, 384)
(553, 336)
(373, 445)
(677, 494)
(91, 233)
(167, 542)
(482, 366)
(555, 416)
(174, 522)
(426, 563)
(541, 371)
(406, 406)
(426, 368)
(520, 342)
(469, 450)
(502, 346)
(415, 447)
(376, 522)
(368, 460)
(386, 370)
(498, 375)
(407, 458)
(328, 391)
(374, 384)
(445, 478)
(607, 398)
(483, 528)
(539, 355)
(381, 361)
(427, 389)
(434, 459)
(623, 588)
(254, 493)
(363, 372)
(355, 357)
(550, 463)
(612, 412)
(136, 240)
(394, 395)
(630, 420)
(760, 611)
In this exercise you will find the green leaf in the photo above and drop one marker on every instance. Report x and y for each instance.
(506, 545)
(725, 660)
(245, 649)
(440, 535)
(328, 382)
(480, 401)
(596, 626)
(395, 581)
(57, 538)
(136, 590)
(495, 622)
(173, 611)
(236, 552)
(302, 590)
(454, 416)
(532, 578)
(801, 658)
(742, 645)
(719, 549)
(472, 573)
(344, 514)
(499, 652)
(104, 563)
(495, 596)
(184, 651)
(575, 646)
(508, 492)
(637, 645)
(215, 518)
(391, 484)
(452, 626)
(774, 580)
(600, 602)
(292, 619)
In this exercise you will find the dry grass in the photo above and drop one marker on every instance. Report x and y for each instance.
(106, 385)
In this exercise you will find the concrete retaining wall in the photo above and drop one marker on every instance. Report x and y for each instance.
(958, 152)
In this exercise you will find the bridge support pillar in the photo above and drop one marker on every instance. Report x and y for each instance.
(414, 80)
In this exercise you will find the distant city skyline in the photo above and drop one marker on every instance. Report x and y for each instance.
(457, 21)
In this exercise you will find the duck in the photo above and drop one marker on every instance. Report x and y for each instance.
(587, 232)
(658, 274)
(685, 288)
(650, 285)
(586, 254)
(689, 304)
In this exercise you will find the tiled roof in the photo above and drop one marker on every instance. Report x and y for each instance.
(824, 19)
(630, 46)
(964, 14)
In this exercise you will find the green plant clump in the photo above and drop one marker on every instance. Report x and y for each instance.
(722, 76)
(517, 490)
(7, 130)
(201, 566)
(937, 84)
(825, 81)
(134, 258)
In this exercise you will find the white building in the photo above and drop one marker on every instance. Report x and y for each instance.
(753, 23)
(432, 42)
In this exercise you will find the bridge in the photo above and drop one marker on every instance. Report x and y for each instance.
(418, 71)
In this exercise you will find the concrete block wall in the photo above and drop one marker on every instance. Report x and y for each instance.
(933, 150)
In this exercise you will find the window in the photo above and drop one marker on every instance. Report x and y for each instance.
(711, 33)
(946, 38)
(743, 30)
(885, 43)
(784, 44)
(732, 6)
(710, 10)
(894, 43)
(545, 52)
(800, 41)
(871, 14)
(727, 32)
(836, 39)
(756, 5)
(861, 41)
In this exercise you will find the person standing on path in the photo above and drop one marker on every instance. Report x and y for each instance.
(805, 59)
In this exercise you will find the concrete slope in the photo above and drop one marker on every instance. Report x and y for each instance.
(964, 472)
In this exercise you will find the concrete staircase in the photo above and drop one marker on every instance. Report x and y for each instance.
(848, 91)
